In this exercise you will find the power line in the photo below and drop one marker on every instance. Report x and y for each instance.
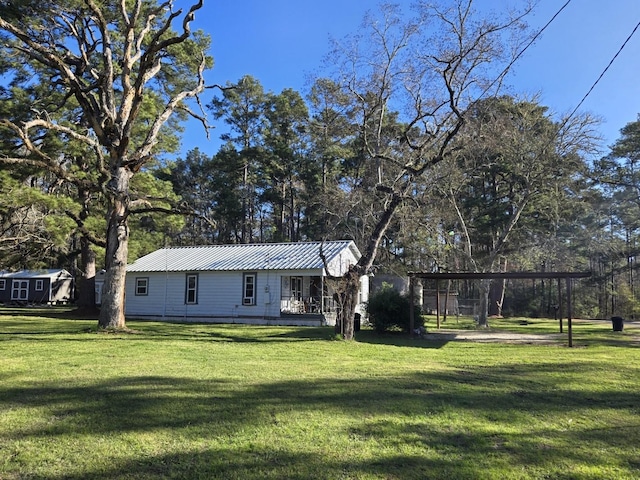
(535, 37)
(524, 49)
(603, 72)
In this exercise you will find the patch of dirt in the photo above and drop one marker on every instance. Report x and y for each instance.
(488, 336)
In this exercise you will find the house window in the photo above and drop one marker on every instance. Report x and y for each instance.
(191, 292)
(20, 290)
(249, 289)
(142, 286)
(3, 284)
(39, 285)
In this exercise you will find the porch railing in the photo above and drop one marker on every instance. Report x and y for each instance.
(308, 305)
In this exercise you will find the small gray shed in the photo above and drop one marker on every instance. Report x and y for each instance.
(54, 286)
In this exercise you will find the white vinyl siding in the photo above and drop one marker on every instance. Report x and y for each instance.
(220, 295)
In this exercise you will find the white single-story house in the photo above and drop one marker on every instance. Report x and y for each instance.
(272, 284)
(36, 287)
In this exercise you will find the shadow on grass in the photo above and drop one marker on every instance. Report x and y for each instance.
(238, 428)
(260, 463)
(33, 322)
(400, 339)
(40, 322)
(52, 312)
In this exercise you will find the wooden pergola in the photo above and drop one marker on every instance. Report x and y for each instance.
(567, 276)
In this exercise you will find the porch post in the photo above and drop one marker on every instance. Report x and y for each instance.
(322, 294)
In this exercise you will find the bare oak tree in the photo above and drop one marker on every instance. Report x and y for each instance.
(114, 62)
(411, 80)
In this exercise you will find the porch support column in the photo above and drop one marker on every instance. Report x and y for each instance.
(322, 294)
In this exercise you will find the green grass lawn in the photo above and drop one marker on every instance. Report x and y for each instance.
(241, 402)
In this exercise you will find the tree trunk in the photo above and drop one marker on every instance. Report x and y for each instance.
(245, 203)
(496, 297)
(349, 301)
(86, 287)
(86, 295)
(112, 310)
(500, 301)
(485, 286)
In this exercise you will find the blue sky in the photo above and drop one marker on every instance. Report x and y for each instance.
(280, 42)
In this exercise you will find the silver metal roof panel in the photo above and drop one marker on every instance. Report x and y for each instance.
(262, 256)
(45, 273)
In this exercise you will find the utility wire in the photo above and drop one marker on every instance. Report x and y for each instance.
(524, 49)
(535, 37)
(602, 74)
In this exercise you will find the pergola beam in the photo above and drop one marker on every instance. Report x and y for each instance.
(496, 275)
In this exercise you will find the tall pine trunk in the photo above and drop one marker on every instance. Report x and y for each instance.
(112, 310)
(86, 288)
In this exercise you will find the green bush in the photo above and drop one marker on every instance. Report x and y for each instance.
(389, 310)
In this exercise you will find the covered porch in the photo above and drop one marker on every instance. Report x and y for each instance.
(305, 295)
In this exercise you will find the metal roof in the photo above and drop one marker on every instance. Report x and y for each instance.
(262, 256)
(46, 273)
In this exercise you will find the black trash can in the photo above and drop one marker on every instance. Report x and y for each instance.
(618, 323)
(356, 322)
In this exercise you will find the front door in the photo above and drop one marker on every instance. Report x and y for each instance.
(296, 288)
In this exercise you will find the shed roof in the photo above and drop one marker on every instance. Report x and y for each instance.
(46, 273)
(256, 256)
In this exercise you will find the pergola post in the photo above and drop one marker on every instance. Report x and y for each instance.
(569, 313)
(568, 276)
(437, 304)
(412, 320)
(559, 310)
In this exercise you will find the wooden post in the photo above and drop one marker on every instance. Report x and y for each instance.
(560, 303)
(437, 304)
(412, 321)
(569, 314)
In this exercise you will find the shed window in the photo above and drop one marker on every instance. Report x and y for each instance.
(3, 284)
(39, 285)
(20, 290)
(249, 289)
(191, 290)
(142, 286)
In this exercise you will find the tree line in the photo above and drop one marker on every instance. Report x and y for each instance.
(405, 144)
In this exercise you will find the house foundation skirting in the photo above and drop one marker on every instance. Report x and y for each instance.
(288, 320)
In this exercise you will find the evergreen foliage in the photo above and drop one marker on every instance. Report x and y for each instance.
(389, 310)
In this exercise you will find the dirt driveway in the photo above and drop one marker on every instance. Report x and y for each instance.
(631, 335)
(488, 336)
